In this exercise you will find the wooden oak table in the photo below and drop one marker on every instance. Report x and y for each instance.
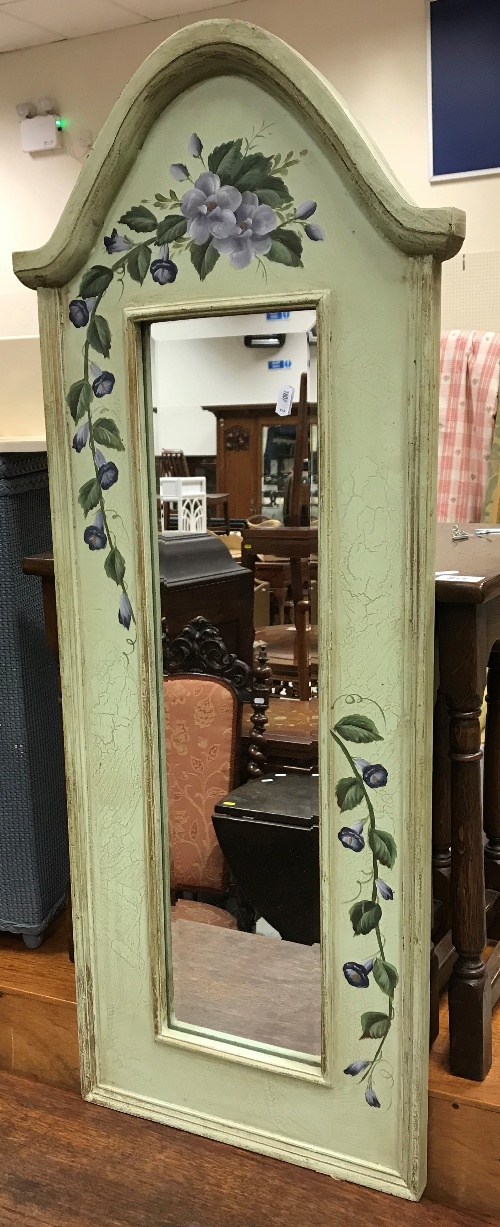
(468, 639)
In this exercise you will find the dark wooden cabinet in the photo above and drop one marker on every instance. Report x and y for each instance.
(240, 460)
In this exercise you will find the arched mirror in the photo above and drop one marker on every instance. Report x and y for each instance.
(239, 312)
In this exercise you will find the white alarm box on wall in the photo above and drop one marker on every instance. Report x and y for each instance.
(39, 134)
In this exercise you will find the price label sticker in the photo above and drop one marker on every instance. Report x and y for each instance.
(285, 401)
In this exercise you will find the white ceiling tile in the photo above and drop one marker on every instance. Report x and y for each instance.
(15, 34)
(155, 9)
(71, 18)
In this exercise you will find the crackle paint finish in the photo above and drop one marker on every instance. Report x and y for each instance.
(230, 178)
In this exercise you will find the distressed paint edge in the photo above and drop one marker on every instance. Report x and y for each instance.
(384, 1180)
(50, 310)
(423, 353)
(195, 54)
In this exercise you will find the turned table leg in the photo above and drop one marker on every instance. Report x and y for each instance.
(441, 812)
(491, 793)
(469, 989)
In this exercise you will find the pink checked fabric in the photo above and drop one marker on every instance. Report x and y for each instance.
(468, 398)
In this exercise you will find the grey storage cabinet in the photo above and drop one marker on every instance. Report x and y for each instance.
(34, 869)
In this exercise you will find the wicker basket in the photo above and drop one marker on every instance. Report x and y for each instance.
(34, 868)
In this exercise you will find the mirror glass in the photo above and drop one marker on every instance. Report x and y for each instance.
(234, 407)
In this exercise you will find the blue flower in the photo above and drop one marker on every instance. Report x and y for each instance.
(79, 312)
(374, 774)
(104, 381)
(107, 474)
(117, 242)
(124, 611)
(306, 209)
(352, 838)
(195, 147)
(315, 232)
(357, 974)
(357, 1067)
(94, 536)
(163, 270)
(179, 171)
(80, 439)
(384, 889)
(371, 1097)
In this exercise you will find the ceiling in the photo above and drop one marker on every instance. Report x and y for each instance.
(29, 23)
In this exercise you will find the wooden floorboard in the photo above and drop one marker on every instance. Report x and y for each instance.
(66, 1163)
(38, 1039)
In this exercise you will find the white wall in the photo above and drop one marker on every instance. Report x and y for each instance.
(191, 369)
(373, 51)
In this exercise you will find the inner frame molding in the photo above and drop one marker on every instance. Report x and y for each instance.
(375, 280)
(188, 1035)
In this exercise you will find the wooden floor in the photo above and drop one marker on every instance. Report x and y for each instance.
(38, 1040)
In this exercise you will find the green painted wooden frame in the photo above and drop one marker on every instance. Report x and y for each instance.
(296, 1111)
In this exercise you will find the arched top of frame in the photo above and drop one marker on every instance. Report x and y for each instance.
(203, 51)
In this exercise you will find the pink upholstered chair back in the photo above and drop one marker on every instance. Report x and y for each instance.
(201, 728)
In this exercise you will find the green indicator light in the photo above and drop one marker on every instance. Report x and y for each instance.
(61, 123)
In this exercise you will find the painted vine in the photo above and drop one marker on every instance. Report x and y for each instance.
(239, 207)
(365, 837)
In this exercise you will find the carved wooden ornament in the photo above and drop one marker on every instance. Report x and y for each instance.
(228, 178)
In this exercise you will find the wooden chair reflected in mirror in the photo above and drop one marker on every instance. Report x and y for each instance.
(174, 464)
(204, 686)
(292, 650)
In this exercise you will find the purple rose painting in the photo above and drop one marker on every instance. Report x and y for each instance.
(235, 204)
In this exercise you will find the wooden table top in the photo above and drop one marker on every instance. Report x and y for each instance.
(297, 719)
(477, 562)
(248, 985)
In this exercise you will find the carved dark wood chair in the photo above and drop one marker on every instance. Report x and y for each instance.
(204, 688)
(174, 464)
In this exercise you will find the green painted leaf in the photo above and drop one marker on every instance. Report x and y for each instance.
(274, 192)
(349, 793)
(383, 846)
(224, 159)
(204, 258)
(374, 1025)
(138, 262)
(162, 199)
(89, 495)
(99, 335)
(365, 916)
(140, 219)
(106, 433)
(78, 399)
(357, 728)
(385, 976)
(95, 281)
(254, 169)
(173, 227)
(286, 248)
(114, 565)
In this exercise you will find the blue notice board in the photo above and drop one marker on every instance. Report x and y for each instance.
(465, 87)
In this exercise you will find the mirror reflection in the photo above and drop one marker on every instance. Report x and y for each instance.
(236, 451)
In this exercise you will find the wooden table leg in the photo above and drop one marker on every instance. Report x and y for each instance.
(491, 794)
(462, 630)
(469, 993)
(441, 812)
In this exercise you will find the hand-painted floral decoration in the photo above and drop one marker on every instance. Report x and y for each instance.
(238, 207)
(366, 914)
